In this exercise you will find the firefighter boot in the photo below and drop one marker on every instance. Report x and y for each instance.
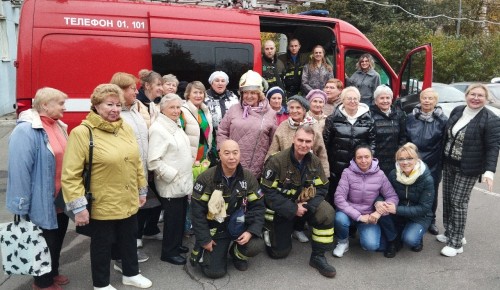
(319, 262)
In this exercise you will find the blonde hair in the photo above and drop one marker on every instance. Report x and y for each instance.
(477, 85)
(102, 91)
(148, 76)
(410, 149)
(194, 85)
(350, 89)
(370, 61)
(123, 80)
(338, 83)
(430, 91)
(170, 78)
(46, 95)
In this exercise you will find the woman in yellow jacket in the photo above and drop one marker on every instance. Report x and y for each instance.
(118, 186)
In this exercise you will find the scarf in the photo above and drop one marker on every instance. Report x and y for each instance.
(308, 120)
(414, 174)
(247, 109)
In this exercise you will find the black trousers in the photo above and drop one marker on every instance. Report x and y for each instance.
(173, 225)
(147, 220)
(105, 233)
(54, 239)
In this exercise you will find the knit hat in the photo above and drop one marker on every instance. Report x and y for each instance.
(251, 81)
(218, 73)
(303, 102)
(274, 90)
(314, 94)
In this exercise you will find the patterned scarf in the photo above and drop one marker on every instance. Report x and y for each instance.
(308, 120)
(247, 108)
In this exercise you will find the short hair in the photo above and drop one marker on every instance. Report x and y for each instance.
(194, 85)
(307, 129)
(363, 146)
(269, 42)
(46, 95)
(338, 83)
(103, 91)
(371, 61)
(294, 39)
(477, 85)
(168, 98)
(148, 76)
(383, 90)
(410, 148)
(170, 78)
(348, 90)
(430, 91)
(123, 80)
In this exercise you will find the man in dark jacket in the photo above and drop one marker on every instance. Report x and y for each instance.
(294, 186)
(273, 69)
(226, 206)
(294, 62)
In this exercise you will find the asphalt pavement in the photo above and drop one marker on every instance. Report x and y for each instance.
(477, 268)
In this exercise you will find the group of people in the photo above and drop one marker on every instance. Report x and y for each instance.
(329, 160)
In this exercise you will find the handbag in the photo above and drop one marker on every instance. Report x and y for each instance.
(86, 230)
(24, 249)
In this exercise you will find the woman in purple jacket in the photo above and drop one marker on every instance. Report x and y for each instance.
(359, 187)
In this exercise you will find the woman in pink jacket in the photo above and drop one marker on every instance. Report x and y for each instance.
(359, 188)
(251, 124)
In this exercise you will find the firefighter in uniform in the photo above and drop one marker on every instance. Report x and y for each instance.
(295, 185)
(227, 211)
(273, 69)
(294, 62)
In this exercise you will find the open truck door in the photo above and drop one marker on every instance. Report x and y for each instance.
(415, 75)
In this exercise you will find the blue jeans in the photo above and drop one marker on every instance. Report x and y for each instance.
(369, 235)
(411, 233)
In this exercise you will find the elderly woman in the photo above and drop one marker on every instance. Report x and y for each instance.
(390, 124)
(317, 100)
(365, 78)
(413, 183)
(147, 217)
(169, 84)
(149, 94)
(118, 186)
(360, 186)
(251, 124)
(425, 127)
(349, 126)
(317, 72)
(36, 149)
(219, 99)
(275, 96)
(471, 144)
(170, 158)
(196, 121)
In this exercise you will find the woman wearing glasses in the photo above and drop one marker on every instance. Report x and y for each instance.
(425, 128)
(365, 78)
(471, 147)
(413, 183)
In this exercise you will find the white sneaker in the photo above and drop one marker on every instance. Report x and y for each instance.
(340, 249)
(158, 237)
(451, 252)
(138, 281)
(139, 243)
(300, 236)
(444, 239)
(109, 287)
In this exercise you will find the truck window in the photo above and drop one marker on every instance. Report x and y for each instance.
(351, 58)
(193, 60)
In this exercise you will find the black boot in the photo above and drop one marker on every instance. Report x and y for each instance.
(390, 250)
(240, 265)
(419, 247)
(321, 264)
(433, 230)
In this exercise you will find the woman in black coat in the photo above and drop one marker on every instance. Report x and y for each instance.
(471, 146)
(349, 126)
(425, 128)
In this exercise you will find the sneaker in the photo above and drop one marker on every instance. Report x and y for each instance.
(300, 236)
(109, 287)
(141, 256)
(138, 281)
(139, 243)
(340, 249)
(158, 237)
(444, 239)
(451, 252)
(117, 266)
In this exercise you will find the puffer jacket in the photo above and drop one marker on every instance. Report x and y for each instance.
(169, 156)
(190, 115)
(341, 137)
(366, 82)
(253, 134)
(415, 200)
(428, 136)
(357, 190)
(481, 141)
(117, 177)
(391, 134)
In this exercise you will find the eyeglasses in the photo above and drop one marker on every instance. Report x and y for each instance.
(351, 99)
(477, 96)
(403, 160)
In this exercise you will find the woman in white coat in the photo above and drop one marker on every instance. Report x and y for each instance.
(170, 158)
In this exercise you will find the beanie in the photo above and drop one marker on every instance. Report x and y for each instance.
(274, 90)
(314, 94)
(303, 102)
(218, 73)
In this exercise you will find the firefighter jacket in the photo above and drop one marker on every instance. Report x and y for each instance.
(284, 178)
(273, 71)
(293, 72)
(242, 189)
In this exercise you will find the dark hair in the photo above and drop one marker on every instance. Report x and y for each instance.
(363, 146)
